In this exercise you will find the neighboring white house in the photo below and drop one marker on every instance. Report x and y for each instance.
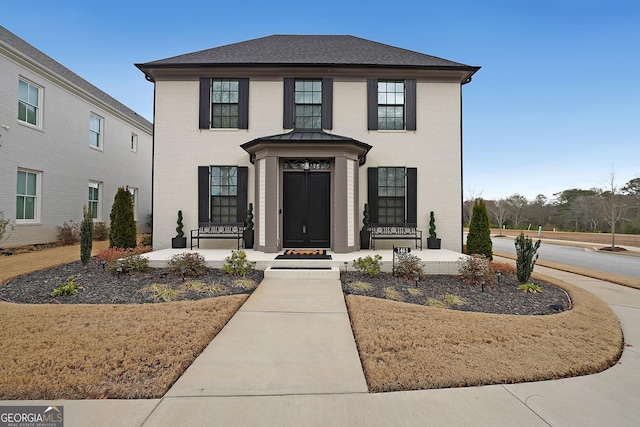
(64, 144)
(308, 129)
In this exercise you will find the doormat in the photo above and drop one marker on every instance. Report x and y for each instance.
(304, 254)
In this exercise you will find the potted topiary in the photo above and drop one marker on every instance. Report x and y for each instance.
(247, 234)
(432, 241)
(365, 233)
(179, 242)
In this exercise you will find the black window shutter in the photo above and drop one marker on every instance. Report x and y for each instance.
(205, 103)
(412, 195)
(241, 194)
(203, 194)
(410, 104)
(372, 104)
(327, 103)
(372, 194)
(243, 104)
(289, 104)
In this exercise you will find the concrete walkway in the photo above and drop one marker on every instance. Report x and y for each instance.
(288, 358)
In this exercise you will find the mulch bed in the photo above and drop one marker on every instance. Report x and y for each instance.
(501, 298)
(102, 287)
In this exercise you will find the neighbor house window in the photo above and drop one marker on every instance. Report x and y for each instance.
(29, 101)
(222, 194)
(96, 125)
(94, 199)
(27, 206)
(134, 143)
(224, 103)
(308, 103)
(134, 200)
(391, 104)
(392, 195)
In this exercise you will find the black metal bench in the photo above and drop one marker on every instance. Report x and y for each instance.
(395, 232)
(211, 230)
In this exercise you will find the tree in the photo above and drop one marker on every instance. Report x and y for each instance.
(526, 257)
(470, 196)
(86, 236)
(479, 238)
(516, 205)
(499, 211)
(123, 227)
(613, 204)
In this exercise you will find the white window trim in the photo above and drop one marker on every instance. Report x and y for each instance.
(100, 146)
(134, 142)
(40, 107)
(134, 193)
(38, 204)
(98, 216)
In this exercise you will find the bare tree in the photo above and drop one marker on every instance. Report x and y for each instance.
(499, 212)
(516, 205)
(613, 205)
(470, 196)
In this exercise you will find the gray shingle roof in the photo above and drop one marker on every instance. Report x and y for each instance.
(337, 50)
(21, 47)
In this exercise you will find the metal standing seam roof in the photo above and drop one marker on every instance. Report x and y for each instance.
(21, 47)
(323, 50)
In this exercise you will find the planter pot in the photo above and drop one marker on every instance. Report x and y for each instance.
(178, 242)
(248, 239)
(365, 237)
(433, 243)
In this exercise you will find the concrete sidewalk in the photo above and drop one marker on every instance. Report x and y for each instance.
(288, 358)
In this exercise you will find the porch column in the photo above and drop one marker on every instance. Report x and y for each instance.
(344, 206)
(267, 204)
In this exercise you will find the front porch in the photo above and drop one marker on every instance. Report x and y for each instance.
(441, 261)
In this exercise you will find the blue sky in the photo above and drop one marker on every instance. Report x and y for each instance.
(555, 106)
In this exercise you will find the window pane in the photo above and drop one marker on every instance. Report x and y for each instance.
(23, 91)
(31, 184)
(31, 115)
(33, 95)
(22, 182)
(29, 207)
(20, 207)
(22, 112)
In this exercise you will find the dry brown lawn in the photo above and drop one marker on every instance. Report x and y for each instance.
(446, 348)
(104, 351)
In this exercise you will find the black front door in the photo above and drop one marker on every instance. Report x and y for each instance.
(306, 210)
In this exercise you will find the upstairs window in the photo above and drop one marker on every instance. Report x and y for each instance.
(224, 103)
(391, 104)
(134, 143)
(96, 124)
(29, 100)
(308, 103)
(308, 100)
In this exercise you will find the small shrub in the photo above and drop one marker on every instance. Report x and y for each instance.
(409, 267)
(436, 303)
(237, 264)
(451, 299)
(360, 286)
(100, 231)
(503, 267)
(69, 287)
(6, 227)
(530, 287)
(145, 240)
(189, 264)
(162, 292)
(204, 288)
(475, 268)
(414, 292)
(244, 284)
(392, 294)
(369, 266)
(133, 263)
(112, 255)
(86, 236)
(526, 257)
(68, 233)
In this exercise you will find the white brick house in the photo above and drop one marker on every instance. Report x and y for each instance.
(64, 144)
(372, 123)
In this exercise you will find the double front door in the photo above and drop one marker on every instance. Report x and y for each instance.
(306, 209)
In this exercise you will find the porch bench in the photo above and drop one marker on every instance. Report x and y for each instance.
(395, 232)
(217, 230)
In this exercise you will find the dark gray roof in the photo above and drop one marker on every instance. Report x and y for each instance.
(21, 47)
(309, 50)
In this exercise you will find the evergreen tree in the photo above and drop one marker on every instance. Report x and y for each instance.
(122, 233)
(479, 238)
(86, 236)
(526, 257)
